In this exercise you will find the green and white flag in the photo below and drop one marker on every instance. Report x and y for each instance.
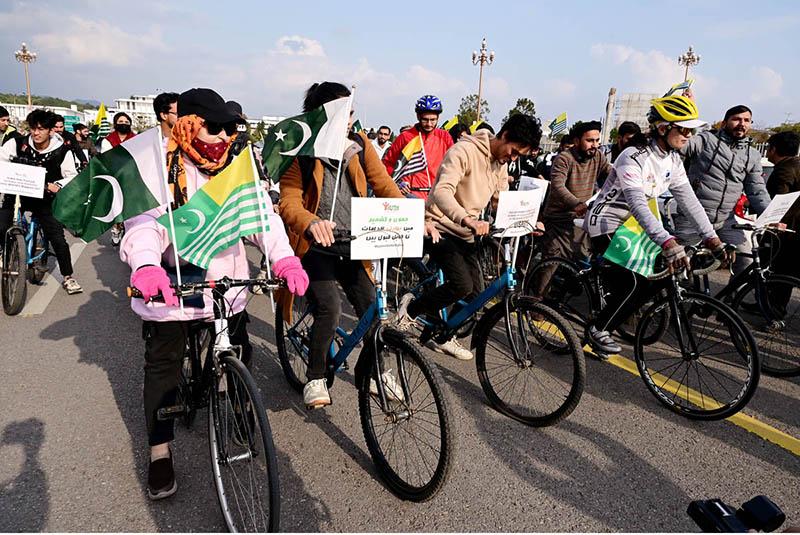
(218, 214)
(632, 248)
(116, 185)
(320, 133)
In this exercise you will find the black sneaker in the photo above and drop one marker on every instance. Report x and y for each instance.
(601, 341)
(161, 479)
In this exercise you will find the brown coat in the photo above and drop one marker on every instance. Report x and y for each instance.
(299, 206)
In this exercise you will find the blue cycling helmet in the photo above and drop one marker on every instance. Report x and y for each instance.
(428, 103)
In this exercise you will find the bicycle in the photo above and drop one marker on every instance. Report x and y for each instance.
(25, 258)
(688, 330)
(775, 325)
(243, 459)
(518, 371)
(409, 439)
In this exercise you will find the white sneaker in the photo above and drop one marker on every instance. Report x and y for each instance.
(315, 394)
(452, 347)
(258, 290)
(71, 286)
(116, 235)
(403, 321)
(394, 391)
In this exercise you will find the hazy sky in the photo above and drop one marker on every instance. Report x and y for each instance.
(562, 55)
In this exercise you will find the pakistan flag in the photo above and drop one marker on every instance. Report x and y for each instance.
(320, 133)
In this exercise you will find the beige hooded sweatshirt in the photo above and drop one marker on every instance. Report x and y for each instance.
(467, 180)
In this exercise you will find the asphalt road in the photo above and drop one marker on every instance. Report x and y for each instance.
(74, 455)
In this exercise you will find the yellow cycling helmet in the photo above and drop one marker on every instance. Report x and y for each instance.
(675, 109)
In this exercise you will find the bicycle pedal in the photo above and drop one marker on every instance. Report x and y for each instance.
(168, 413)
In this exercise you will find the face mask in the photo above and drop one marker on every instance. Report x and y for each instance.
(124, 129)
(210, 151)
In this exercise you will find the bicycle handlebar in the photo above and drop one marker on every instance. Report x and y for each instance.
(695, 252)
(760, 230)
(188, 289)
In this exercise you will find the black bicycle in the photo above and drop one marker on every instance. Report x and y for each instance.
(769, 303)
(243, 459)
(694, 353)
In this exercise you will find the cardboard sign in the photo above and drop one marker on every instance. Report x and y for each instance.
(25, 180)
(777, 208)
(517, 207)
(527, 183)
(387, 228)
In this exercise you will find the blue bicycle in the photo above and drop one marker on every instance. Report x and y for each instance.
(408, 436)
(529, 359)
(25, 258)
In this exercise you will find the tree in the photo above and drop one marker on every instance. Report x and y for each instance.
(523, 105)
(467, 114)
(257, 133)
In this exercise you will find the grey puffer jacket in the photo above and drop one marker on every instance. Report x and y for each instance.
(720, 168)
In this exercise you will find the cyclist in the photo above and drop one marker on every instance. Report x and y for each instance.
(721, 165)
(122, 132)
(435, 143)
(43, 148)
(642, 172)
(472, 174)
(307, 192)
(200, 142)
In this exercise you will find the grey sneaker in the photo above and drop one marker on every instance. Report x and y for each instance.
(601, 341)
(315, 394)
(403, 321)
(71, 286)
(161, 478)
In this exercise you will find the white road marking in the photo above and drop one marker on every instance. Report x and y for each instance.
(50, 286)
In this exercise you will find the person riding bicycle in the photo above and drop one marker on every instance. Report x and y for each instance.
(43, 148)
(307, 193)
(420, 172)
(198, 147)
(643, 172)
(472, 174)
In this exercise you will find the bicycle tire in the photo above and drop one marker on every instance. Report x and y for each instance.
(407, 419)
(567, 293)
(701, 314)
(778, 340)
(14, 277)
(544, 324)
(292, 341)
(245, 439)
(38, 268)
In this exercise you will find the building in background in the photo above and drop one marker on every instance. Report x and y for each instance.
(633, 107)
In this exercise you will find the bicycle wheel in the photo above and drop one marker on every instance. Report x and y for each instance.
(777, 332)
(14, 278)
(38, 268)
(519, 367)
(243, 456)
(627, 331)
(293, 339)
(410, 442)
(705, 366)
(566, 292)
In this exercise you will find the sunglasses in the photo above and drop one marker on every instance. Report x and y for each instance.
(685, 132)
(215, 128)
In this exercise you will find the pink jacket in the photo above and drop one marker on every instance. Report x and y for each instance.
(146, 242)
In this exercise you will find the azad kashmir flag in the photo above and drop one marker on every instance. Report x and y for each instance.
(451, 123)
(320, 133)
(218, 214)
(116, 185)
(412, 159)
(101, 127)
(558, 125)
(631, 248)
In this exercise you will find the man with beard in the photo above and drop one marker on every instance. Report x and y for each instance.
(573, 177)
(721, 165)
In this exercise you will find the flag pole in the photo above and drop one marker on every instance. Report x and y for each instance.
(165, 185)
(427, 171)
(341, 158)
(262, 216)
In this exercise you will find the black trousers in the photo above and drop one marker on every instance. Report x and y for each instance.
(785, 263)
(458, 260)
(165, 344)
(53, 230)
(324, 272)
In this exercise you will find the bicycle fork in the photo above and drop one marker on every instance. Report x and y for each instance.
(683, 332)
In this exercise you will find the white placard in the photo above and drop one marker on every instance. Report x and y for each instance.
(387, 228)
(527, 183)
(518, 206)
(25, 180)
(777, 208)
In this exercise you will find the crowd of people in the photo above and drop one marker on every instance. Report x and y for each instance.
(459, 174)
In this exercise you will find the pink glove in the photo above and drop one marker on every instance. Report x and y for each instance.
(150, 280)
(290, 269)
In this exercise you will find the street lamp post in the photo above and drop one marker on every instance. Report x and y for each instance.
(485, 57)
(688, 59)
(25, 56)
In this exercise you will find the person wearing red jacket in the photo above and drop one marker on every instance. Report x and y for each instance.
(415, 173)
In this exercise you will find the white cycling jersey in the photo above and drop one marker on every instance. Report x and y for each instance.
(641, 174)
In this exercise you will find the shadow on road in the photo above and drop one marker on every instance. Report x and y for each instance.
(24, 500)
